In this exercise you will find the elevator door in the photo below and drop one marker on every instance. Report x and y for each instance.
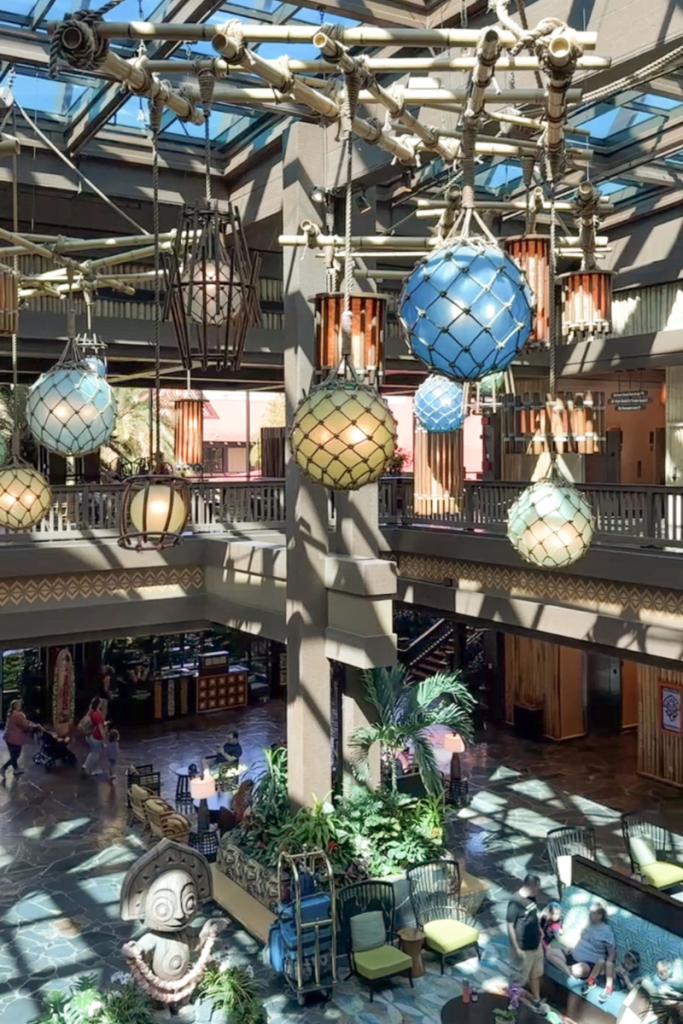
(603, 694)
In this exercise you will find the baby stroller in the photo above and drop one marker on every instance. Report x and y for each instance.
(54, 748)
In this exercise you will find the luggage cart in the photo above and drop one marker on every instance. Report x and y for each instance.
(307, 924)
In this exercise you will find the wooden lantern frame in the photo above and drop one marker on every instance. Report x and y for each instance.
(368, 312)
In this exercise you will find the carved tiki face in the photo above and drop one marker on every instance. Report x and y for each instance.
(171, 901)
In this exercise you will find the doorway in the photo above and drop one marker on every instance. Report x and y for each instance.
(603, 694)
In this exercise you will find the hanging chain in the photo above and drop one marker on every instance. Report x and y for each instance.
(15, 267)
(155, 421)
(552, 325)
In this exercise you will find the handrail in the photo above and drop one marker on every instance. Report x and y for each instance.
(405, 648)
(623, 513)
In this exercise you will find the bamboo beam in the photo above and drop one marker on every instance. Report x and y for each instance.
(415, 97)
(384, 65)
(366, 35)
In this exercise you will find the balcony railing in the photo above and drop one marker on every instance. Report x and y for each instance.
(623, 514)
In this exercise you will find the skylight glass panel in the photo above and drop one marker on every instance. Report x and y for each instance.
(502, 176)
(44, 95)
(615, 121)
(298, 51)
(608, 188)
(653, 99)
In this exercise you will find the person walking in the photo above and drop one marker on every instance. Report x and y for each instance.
(524, 933)
(111, 753)
(94, 738)
(18, 730)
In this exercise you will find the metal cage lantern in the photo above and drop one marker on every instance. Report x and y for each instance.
(587, 303)
(532, 253)
(551, 524)
(466, 309)
(25, 496)
(212, 283)
(71, 409)
(343, 434)
(9, 302)
(440, 405)
(368, 317)
(154, 511)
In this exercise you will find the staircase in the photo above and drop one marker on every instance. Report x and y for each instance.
(430, 652)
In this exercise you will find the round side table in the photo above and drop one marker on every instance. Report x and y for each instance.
(412, 940)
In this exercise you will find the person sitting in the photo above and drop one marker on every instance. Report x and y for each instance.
(229, 818)
(231, 751)
(593, 955)
(551, 937)
(627, 973)
(663, 985)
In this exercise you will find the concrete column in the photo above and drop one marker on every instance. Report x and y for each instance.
(308, 670)
(674, 426)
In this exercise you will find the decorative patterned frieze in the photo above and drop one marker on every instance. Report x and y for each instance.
(646, 604)
(163, 581)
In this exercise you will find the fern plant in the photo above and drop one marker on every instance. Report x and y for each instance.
(234, 992)
(87, 1004)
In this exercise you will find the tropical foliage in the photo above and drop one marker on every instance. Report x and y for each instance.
(233, 991)
(363, 833)
(404, 710)
(130, 444)
(123, 1003)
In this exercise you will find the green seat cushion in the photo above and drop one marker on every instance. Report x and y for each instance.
(662, 874)
(446, 935)
(381, 963)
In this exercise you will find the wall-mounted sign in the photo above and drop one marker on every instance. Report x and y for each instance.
(629, 401)
(671, 708)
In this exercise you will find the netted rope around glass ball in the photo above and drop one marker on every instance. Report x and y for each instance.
(439, 405)
(343, 435)
(492, 382)
(71, 409)
(25, 497)
(551, 524)
(466, 309)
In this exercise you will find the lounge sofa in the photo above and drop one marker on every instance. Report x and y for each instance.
(630, 931)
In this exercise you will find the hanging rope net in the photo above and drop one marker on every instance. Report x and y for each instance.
(25, 496)
(439, 405)
(551, 524)
(466, 310)
(343, 434)
(71, 409)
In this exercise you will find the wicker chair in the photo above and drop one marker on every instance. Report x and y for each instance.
(137, 800)
(651, 849)
(166, 823)
(562, 844)
(435, 898)
(143, 775)
(383, 960)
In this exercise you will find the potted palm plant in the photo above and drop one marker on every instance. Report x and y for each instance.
(404, 713)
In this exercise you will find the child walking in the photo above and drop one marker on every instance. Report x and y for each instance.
(112, 753)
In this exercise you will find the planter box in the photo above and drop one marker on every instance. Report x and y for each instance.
(259, 881)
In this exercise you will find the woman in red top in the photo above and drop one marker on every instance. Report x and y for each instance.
(95, 739)
(17, 731)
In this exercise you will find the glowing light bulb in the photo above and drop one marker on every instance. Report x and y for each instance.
(158, 508)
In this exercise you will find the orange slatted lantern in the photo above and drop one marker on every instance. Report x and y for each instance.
(368, 311)
(438, 466)
(532, 253)
(189, 432)
(9, 302)
(587, 303)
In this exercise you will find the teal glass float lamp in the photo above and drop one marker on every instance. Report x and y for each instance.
(551, 524)
(71, 409)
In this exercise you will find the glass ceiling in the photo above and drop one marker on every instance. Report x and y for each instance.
(614, 126)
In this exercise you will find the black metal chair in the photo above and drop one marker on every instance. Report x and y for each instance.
(651, 849)
(435, 898)
(567, 842)
(145, 776)
(383, 961)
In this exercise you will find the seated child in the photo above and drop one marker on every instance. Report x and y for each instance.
(663, 984)
(627, 973)
(551, 930)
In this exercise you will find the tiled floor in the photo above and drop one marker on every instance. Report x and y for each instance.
(65, 846)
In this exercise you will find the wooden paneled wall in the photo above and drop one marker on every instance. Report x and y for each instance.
(660, 754)
(546, 675)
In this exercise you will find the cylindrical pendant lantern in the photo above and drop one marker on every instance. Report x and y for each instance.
(438, 467)
(532, 253)
(368, 311)
(189, 432)
(587, 303)
(9, 302)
